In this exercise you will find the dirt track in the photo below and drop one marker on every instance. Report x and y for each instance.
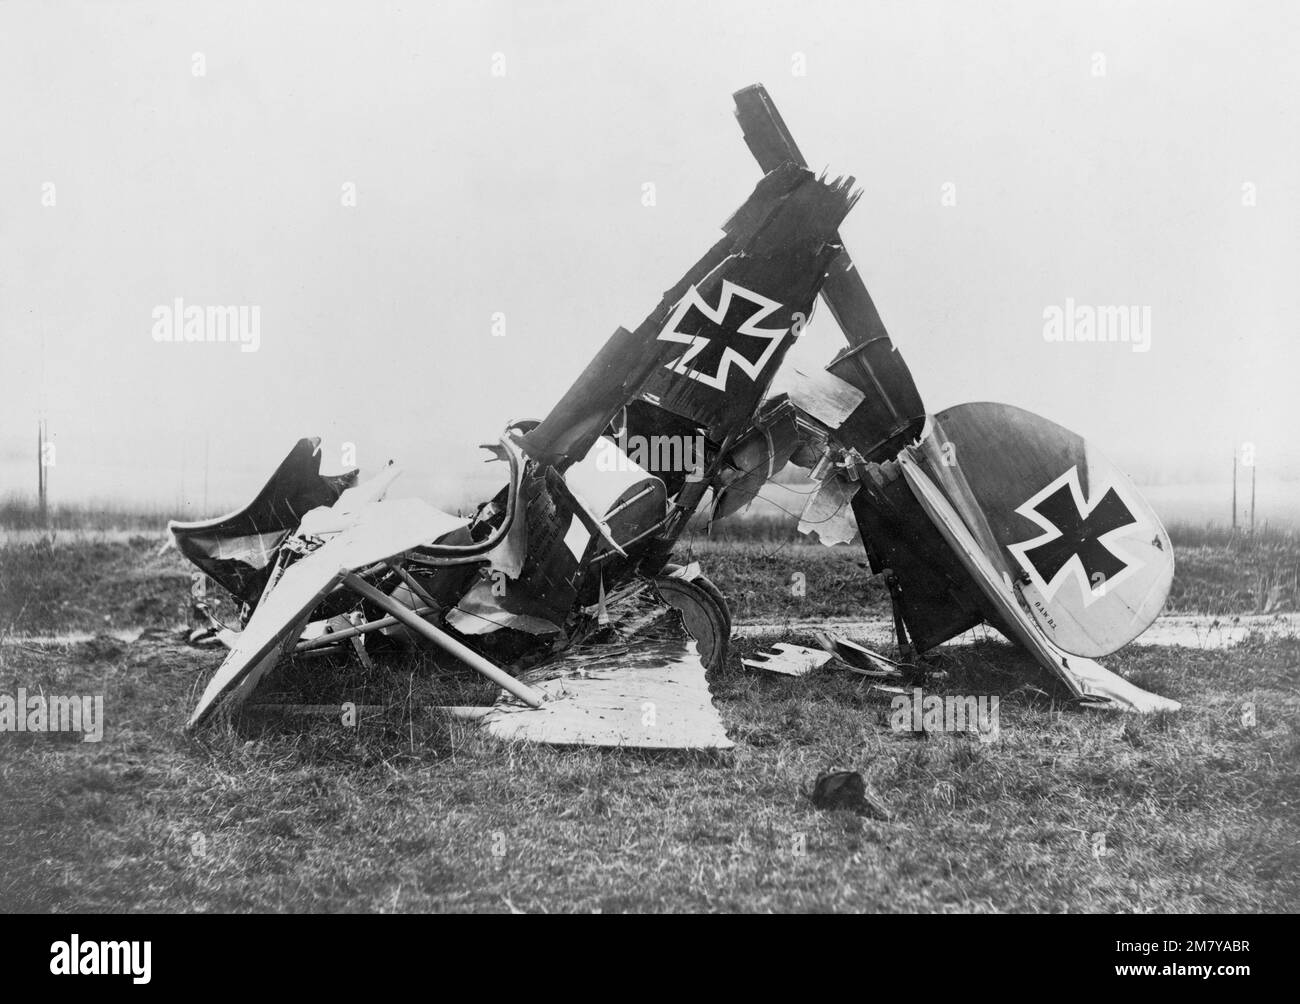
(1188, 630)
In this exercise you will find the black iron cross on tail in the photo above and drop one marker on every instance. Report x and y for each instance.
(1080, 535)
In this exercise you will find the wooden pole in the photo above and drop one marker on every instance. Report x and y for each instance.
(1234, 489)
(42, 475)
(1252, 500)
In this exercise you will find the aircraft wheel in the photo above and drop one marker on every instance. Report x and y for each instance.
(709, 585)
(704, 612)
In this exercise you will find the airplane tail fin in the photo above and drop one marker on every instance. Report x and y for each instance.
(1090, 682)
(1084, 551)
(1002, 516)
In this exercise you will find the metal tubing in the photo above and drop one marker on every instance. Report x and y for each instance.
(443, 640)
(331, 637)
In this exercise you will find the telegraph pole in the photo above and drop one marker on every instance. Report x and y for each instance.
(1252, 500)
(42, 477)
(40, 472)
(1234, 489)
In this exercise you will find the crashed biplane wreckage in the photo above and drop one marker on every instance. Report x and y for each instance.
(559, 589)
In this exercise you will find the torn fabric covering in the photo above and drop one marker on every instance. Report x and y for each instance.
(819, 393)
(480, 612)
(829, 511)
(734, 325)
(891, 414)
(548, 580)
(380, 530)
(733, 313)
(237, 550)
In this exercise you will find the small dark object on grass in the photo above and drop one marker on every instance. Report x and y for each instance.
(845, 789)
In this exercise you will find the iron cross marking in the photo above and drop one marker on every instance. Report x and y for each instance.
(724, 336)
(1080, 535)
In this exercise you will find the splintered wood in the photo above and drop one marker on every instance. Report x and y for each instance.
(651, 696)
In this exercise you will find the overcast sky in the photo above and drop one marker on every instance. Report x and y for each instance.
(1116, 154)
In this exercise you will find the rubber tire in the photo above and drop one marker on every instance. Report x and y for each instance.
(711, 586)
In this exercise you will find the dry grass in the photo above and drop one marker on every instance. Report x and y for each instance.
(77, 582)
(96, 580)
(410, 813)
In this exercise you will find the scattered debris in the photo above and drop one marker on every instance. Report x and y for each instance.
(846, 789)
(860, 659)
(789, 660)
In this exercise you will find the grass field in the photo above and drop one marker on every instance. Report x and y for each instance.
(1196, 812)
(103, 580)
